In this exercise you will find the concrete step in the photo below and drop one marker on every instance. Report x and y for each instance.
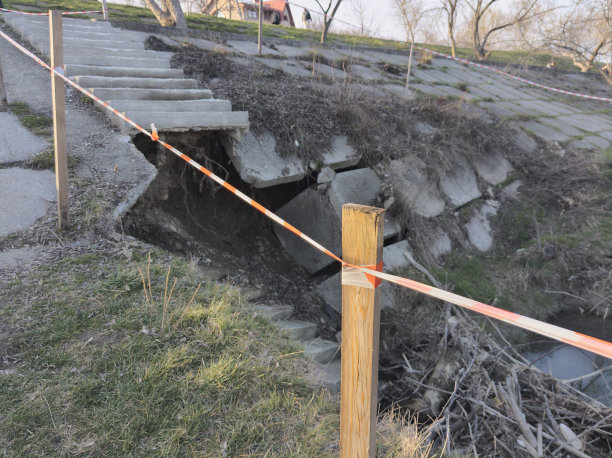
(128, 53)
(151, 94)
(43, 39)
(298, 330)
(321, 350)
(43, 21)
(274, 312)
(328, 375)
(134, 72)
(85, 34)
(173, 105)
(129, 82)
(93, 59)
(181, 122)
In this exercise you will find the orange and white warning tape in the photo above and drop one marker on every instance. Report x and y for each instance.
(354, 275)
(486, 67)
(47, 14)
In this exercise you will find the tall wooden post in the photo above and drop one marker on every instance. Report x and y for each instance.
(105, 12)
(59, 118)
(362, 245)
(260, 27)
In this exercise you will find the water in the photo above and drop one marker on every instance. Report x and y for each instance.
(567, 363)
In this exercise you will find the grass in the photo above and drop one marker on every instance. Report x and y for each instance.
(38, 124)
(113, 363)
(214, 24)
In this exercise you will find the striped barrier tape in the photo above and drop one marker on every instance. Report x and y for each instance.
(585, 342)
(486, 67)
(47, 14)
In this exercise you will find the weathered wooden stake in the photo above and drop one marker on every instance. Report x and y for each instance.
(362, 245)
(260, 27)
(3, 100)
(105, 12)
(59, 118)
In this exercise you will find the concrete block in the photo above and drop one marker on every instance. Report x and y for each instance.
(38, 40)
(597, 141)
(274, 312)
(130, 82)
(80, 51)
(16, 142)
(321, 350)
(523, 141)
(341, 154)
(413, 189)
(201, 105)
(479, 228)
(326, 175)
(312, 213)
(187, 120)
(131, 72)
(151, 94)
(590, 123)
(298, 330)
(459, 183)
(440, 244)
(258, 164)
(492, 168)
(25, 196)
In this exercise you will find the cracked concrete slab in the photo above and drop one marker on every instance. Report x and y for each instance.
(544, 132)
(16, 142)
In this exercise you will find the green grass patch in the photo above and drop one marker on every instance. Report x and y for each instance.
(38, 124)
(109, 365)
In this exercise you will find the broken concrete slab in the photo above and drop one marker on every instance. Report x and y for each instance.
(413, 189)
(326, 175)
(365, 73)
(250, 48)
(287, 66)
(540, 107)
(590, 123)
(330, 72)
(341, 155)
(511, 191)
(597, 141)
(423, 129)
(258, 163)
(274, 312)
(208, 45)
(297, 329)
(606, 134)
(563, 126)
(292, 51)
(546, 133)
(328, 376)
(523, 141)
(492, 168)
(396, 256)
(313, 214)
(359, 186)
(497, 109)
(440, 244)
(321, 350)
(459, 183)
(479, 228)
(18, 257)
(25, 196)
(16, 142)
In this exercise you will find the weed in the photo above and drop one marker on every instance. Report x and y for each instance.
(462, 87)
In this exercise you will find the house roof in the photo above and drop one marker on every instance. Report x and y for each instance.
(280, 6)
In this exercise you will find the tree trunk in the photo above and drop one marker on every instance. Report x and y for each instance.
(451, 37)
(409, 65)
(3, 101)
(170, 15)
(326, 25)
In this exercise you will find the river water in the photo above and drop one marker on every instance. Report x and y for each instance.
(566, 362)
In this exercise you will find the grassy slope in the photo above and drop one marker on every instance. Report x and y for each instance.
(199, 21)
(101, 370)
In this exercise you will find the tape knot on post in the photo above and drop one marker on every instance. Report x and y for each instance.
(154, 134)
(355, 276)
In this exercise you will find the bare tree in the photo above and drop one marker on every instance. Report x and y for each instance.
(366, 18)
(170, 14)
(3, 101)
(485, 21)
(581, 32)
(411, 13)
(327, 16)
(450, 9)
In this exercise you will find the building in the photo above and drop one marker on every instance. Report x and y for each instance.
(248, 10)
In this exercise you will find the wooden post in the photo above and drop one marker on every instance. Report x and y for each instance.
(260, 27)
(105, 12)
(3, 100)
(362, 245)
(59, 118)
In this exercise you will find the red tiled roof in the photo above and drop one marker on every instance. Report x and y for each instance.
(278, 5)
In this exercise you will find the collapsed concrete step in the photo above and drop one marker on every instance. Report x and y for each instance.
(298, 330)
(274, 312)
(212, 105)
(321, 350)
(73, 70)
(102, 36)
(129, 82)
(150, 94)
(111, 61)
(181, 122)
(328, 375)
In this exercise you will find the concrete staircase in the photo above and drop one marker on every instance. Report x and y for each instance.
(113, 64)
